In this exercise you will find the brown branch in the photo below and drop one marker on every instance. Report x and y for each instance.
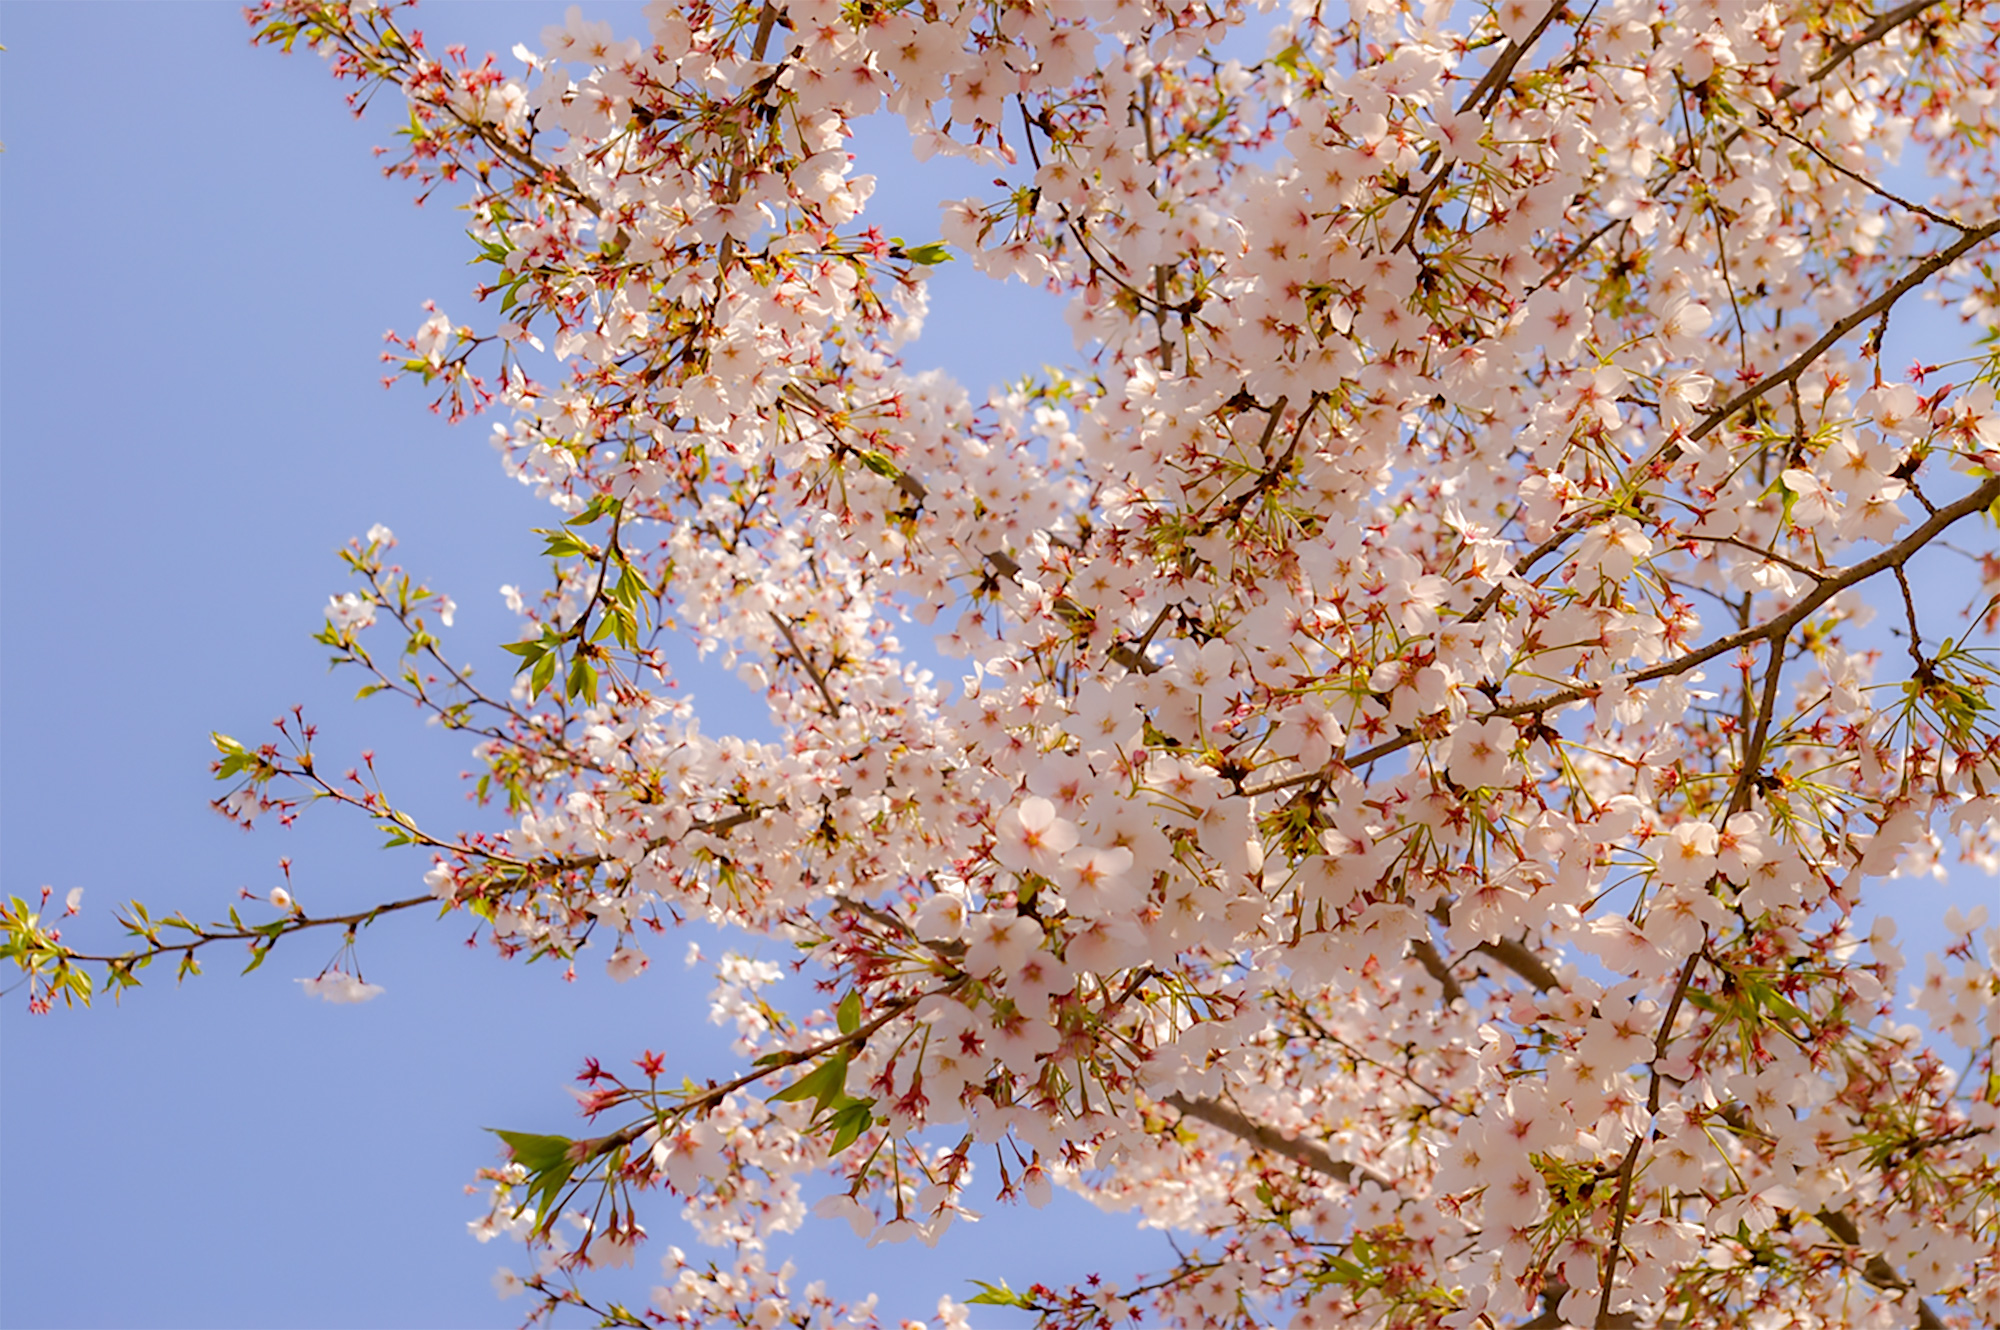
(715, 826)
(1272, 1141)
(1839, 55)
(1131, 655)
(767, 19)
(1423, 203)
(1886, 195)
(1494, 81)
(1293, 1005)
(1877, 1269)
(201, 935)
(1629, 1166)
(806, 664)
(1553, 1292)
(1874, 32)
(709, 1098)
(1518, 957)
(1829, 586)
(1426, 954)
(1668, 452)
(1753, 751)
(1274, 470)
(1770, 556)
(1496, 78)
(1893, 557)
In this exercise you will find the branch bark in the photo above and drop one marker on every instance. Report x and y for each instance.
(1272, 1141)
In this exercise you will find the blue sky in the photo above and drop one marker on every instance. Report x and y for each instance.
(200, 261)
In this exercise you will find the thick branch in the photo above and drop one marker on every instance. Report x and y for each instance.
(1434, 965)
(1874, 32)
(1777, 628)
(1272, 1141)
(1516, 956)
(1877, 1269)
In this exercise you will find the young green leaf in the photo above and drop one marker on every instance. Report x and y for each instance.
(582, 680)
(562, 545)
(823, 1084)
(880, 465)
(849, 1120)
(999, 1295)
(545, 673)
(532, 1152)
(235, 757)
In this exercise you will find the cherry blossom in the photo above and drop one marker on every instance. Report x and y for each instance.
(1371, 767)
(338, 987)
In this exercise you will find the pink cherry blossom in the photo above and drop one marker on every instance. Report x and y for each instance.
(1032, 839)
(339, 988)
(1376, 765)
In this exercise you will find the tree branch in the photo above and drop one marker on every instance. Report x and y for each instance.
(1426, 954)
(1668, 452)
(806, 664)
(1270, 1140)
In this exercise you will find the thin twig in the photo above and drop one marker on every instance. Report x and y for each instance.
(1863, 181)
(1630, 1164)
(806, 663)
(1670, 451)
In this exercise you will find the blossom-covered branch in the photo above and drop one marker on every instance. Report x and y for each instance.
(1401, 819)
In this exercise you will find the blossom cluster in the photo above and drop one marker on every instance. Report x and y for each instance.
(1414, 769)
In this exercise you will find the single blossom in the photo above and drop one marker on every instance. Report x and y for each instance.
(337, 986)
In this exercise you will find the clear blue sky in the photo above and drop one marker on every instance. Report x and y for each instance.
(200, 258)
